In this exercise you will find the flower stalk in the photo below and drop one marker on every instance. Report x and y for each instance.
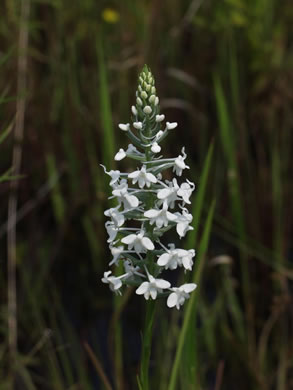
(154, 205)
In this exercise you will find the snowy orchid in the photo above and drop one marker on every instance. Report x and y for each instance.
(139, 242)
(161, 217)
(152, 287)
(180, 294)
(142, 177)
(148, 205)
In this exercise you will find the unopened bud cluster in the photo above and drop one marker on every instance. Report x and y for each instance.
(148, 206)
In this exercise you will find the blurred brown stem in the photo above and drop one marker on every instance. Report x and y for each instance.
(16, 164)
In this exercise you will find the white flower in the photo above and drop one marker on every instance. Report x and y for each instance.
(147, 110)
(120, 155)
(144, 95)
(183, 221)
(161, 216)
(179, 164)
(171, 125)
(114, 282)
(139, 101)
(139, 242)
(143, 177)
(169, 194)
(185, 191)
(124, 126)
(155, 148)
(160, 118)
(180, 294)
(131, 270)
(117, 217)
(152, 287)
(134, 110)
(129, 201)
(115, 175)
(156, 101)
(170, 259)
(112, 231)
(116, 252)
(185, 258)
(137, 125)
(132, 150)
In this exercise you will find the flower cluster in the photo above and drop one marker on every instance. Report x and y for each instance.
(148, 205)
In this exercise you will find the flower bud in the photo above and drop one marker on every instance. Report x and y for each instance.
(147, 110)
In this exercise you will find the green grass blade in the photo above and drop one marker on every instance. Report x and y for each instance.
(57, 198)
(191, 305)
(229, 149)
(105, 109)
(200, 197)
(5, 133)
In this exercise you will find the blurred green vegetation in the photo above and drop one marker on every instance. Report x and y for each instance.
(224, 71)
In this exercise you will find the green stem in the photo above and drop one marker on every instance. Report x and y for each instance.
(147, 344)
(150, 305)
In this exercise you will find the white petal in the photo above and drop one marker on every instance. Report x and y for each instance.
(163, 259)
(134, 175)
(161, 283)
(153, 292)
(170, 216)
(152, 178)
(151, 213)
(132, 200)
(164, 193)
(180, 228)
(134, 110)
(147, 243)
(142, 288)
(172, 300)
(171, 125)
(124, 127)
(180, 163)
(117, 283)
(129, 239)
(155, 148)
(188, 287)
(120, 155)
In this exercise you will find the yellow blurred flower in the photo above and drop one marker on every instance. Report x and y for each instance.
(110, 15)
